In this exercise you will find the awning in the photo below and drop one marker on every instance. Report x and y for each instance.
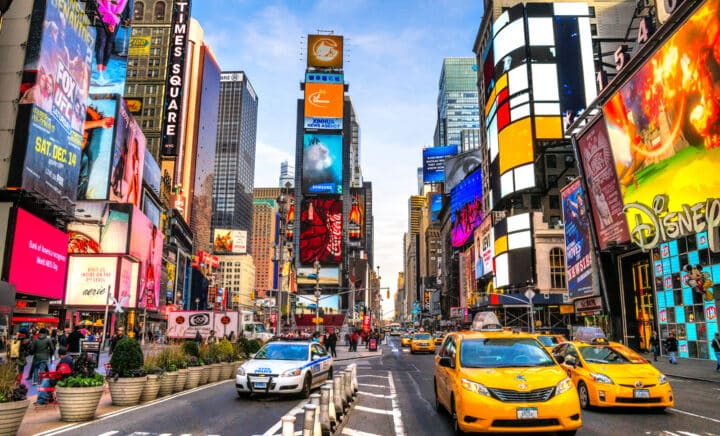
(47, 319)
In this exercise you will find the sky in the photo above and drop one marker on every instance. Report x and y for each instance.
(393, 55)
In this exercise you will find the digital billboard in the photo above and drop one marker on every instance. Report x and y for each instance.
(174, 84)
(324, 106)
(356, 218)
(227, 241)
(53, 95)
(435, 206)
(126, 171)
(513, 261)
(459, 166)
(329, 276)
(111, 20)
(325, 51)
(434, 162)
(321, 231)
(324, 77)
(599, 171)
(663, 123)
(578, 253)
(90, 280)
(151, 172)
(466, 212)
(146, 244)
(97, 147)
(322, 164)
(38, 259)
(108, 237)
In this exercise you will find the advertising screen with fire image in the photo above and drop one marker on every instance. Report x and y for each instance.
(664, 122)
(321, 231)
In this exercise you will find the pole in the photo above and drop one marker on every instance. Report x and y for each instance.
(105, 321)
(316, 264)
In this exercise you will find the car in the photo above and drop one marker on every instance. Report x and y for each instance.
(492, 380)
(282, 367)
(438, 338)
(422, 342)
(549, 340)
(609, 374)
(405, 341)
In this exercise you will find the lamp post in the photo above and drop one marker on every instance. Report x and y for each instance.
(316, 266)
(282, 211)
(197, 303)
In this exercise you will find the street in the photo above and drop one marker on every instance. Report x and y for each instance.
(396, 397)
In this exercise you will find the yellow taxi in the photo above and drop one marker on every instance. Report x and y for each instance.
(610, 374)
(405, 341)
(422, 342)
(438, 338)
(490, 380)
(549, 340)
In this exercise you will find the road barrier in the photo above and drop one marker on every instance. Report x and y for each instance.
(288, 425)
(309, 420)
(337, 391)
(332, 414)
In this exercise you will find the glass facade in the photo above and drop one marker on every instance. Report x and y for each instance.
(458, 106)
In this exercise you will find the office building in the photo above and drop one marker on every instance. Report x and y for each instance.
(457, 101)
(265, 222)
(287, 174)
(237, 279)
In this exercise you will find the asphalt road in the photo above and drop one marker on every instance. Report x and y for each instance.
(396, 398)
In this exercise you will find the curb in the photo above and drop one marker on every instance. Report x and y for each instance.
(687, 377)
(358, 357)
(338, 431)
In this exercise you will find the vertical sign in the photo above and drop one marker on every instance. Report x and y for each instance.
(578, 257)
(175, 78)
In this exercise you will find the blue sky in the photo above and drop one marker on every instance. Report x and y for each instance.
(393, 55)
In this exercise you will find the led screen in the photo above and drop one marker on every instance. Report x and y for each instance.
(146, 244)
(322, 164)
(323, 106)
(356, 218)
(325, 51)
(90, 280)
(321, 231)
(578, 257)
(328, 276)
(434, 162)
(227, 241)
(111, 20)
(126, 172)
(664, 124)
(466, 208)
(435, 206)
(324, 77)
(457, 167)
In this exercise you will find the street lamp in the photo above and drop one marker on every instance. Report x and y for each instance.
(197, 303)
(316, 266)
(280, 250)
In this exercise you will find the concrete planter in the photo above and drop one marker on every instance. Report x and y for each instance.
(193, 377)
(226, 370)
(236, 365)
(167, 383)
(11, 415)
(151, 388)
(204, 375)
(126, 391)
(214, 373)
(181, 379)
(78, 404)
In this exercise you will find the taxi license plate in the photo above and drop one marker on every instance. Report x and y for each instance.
(527, 413)
(259, 385)
(641, 393)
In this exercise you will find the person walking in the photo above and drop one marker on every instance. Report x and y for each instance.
(354, 338)
(64, 367)
(74, 340)
(42, 350)
(20, 349)
(716, 349)
(117, 337)
(671, 346)
(212, 339)
(198, 338)
(655, 345)
(331, 342)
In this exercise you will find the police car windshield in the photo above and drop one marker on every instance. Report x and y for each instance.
(277, 351)
(503, 353)
(604, 354)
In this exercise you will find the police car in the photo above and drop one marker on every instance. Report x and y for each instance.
(285, 368)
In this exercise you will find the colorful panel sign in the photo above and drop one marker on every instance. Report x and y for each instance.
(356, 218)
(324, 106)
(226, 241)
(328, 276)
(90, 280)
(578, 256)
(146, 244)
(321, 231)
(172, 121)
(128, 159)
(322, 164)
(663, 123)
(434, 162)
(599, 170)
(459, 166)
(466, 208)
(325, 51)
(322, 77)
(111, 20)
(39, 257)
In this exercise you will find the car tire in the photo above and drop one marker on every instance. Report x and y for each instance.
(330, 374)
(412, 352)
(307, 386)
(453, 415)
(438, 404)
(584, 396)
(243, 395)
(658, 410)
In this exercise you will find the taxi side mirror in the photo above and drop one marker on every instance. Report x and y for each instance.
(446, 362)
(559, 358)
(571, 360)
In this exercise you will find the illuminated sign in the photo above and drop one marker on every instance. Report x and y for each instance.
(322, 164)
(90, 280)
(315, 77)
(139, 46)
(324, 106)
(578, 255)
(434, 162)
(325, 51)
(172, 121)
(226, 241)
(321, 231)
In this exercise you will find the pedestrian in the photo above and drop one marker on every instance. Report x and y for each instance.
(331, 342)
(655, 345)
(62, 339)
(231, 337)
(354, 338)
(198, 338)
(117, 337)
(20, 349)
(136, 332)
(64, 367)
(41, 350)
(54, 340)
(212, 339)
(671, 346)
(716, 349)
(74, 340)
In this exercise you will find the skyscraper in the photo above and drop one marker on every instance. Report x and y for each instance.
(235, 153)
(265, 222)
(287, 174)
(457, 102)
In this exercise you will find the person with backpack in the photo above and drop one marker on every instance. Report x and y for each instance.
(42, 350)
(64, 368)
(20, 349)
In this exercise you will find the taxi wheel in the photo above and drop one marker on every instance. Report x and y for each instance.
(584, 396)
(453, 414)
(307, 385)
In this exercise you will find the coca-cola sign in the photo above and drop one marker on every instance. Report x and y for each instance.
(321, 231)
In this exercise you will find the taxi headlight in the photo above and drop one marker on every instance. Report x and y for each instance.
(291, 373)
(601, 378)
(474, 387)
(564, 386)
(241, 371)
(662, 379)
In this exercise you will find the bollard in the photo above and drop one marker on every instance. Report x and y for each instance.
(354, 384)
(317, 430)
(332, 414)
(339, 408)
(325, 409)
(315, 400)
(288, 425)
(348, 389)
(341, 390)
(309, 420)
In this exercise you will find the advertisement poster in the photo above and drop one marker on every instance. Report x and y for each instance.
(324, 106)
(186, 324)
(139, 46)
(325, 51)
(90, 280)
(356, 218)
(466, 208)
(151, 172)
(146, 244)
(127, 283)
(226, 241)
(321, 231)
(435, 206)
(111, 19)
(126, 171)
(97, 147)
(664, 122)
(108, 237)
(39, 257)
(601, 179)
(328, 276)
(52, 100)
(578, 253)
(459, 166)
(434, 162)
(322, 164)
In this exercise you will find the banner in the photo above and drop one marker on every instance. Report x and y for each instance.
(227, 241)
(172, 121)
(578, 253)
(186, 324)
(366, 326)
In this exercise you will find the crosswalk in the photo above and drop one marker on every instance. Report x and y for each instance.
(376, 411)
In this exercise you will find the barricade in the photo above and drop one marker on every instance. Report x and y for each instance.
(337, 391)
(309, 420)
(288, 425)
(324, 410)
(347, 383)
(332, 414)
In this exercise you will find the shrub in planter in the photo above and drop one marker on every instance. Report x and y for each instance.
(190, 348)
(181, 362)
(154, 372)
(207, 362)
(13, 399)
(126, 375)
(194, 372)
(166, 361)
(79, 394)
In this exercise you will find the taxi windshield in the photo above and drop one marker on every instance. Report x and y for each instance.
(275, 351)
(503, 353)
(548, 341)
(421, 336)
(604, 354)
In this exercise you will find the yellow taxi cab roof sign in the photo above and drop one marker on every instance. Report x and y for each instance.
(486, 321)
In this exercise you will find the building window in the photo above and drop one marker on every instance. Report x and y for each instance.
(159, 11)
(551, 161)
(569, 161)
(139, 11)
(554, 201)
(557, 268)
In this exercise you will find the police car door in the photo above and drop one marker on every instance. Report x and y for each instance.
(320, 362)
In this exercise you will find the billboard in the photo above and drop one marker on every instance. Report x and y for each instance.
(434, 162)
(38, 259)
(151, 172)
(322, 164)
(90, 280)
(435, 206)
(324, 77)
(356, 218)
(111, 20)
(329, 276)
(466, 212)
(605, 198)
(108, 237)
(186, 324)
(663, 123)
(52, 101)
(173, 102)
(226, 241)
(126, 171)
(146, 244)
(139, 46)
(324, 105)
(321, 231)
(325, 51)
(459, 166)
(578, 254)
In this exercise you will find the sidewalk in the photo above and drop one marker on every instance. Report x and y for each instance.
(361, 353)
(693, 369)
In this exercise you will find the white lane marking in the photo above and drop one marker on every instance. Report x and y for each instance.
(374, 395)
(394, 350)
(371, 386)
(278, 425)
(351, 432)
(109, 433)
(397, 416)
(373, 410)
(419, 394)
(416, 368)
(371, 375)
(695, 415)
(687, 433)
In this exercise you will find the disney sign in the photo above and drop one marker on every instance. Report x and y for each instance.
(660, 225)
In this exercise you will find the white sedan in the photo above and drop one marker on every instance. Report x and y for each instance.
(285, 368)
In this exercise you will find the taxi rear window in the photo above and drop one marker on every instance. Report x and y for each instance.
(422, 336)
(503, 352)
(605, 354)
